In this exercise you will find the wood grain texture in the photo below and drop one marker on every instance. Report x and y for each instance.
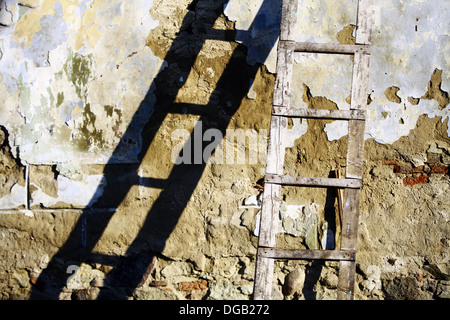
(276, 253)
(355, 149)
(288, 19)
(330, 48)
(313, 182)
(319, 113)
(364, 22)
(349, 198)
(360, 81)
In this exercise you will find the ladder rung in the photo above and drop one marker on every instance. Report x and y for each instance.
(319, 113)
(317, 182)
(275, 253)
(330, 48)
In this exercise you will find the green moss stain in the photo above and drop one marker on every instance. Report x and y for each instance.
(59, 98)
(88, 135)
(110, 110)
(58, 75)
(78, 70)
(24, 93)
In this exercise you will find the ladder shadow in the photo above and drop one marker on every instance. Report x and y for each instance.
(131, 269)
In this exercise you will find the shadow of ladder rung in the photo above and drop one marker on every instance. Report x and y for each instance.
(176, 108)
(185, 108)
(191, 108)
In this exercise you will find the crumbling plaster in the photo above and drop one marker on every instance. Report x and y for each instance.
(71, 61)
(72, 83)
(409, 41)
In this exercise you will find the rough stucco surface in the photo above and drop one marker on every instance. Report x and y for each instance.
(75, 87)
(89, 125)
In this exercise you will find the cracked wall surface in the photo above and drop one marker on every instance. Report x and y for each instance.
(75, 87)
(94, 92)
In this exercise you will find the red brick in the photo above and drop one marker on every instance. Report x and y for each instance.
(409, 181)
(420, 169)
(402, 169)
(438, 168)
(158, 283)
(193, 285)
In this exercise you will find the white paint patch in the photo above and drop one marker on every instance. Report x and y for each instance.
(409, 41)
(257, 25)
(293, 219)
(36, 83)
(15, 199)
(298, 129)
(374, 278)
(79, 194)
(405, 58)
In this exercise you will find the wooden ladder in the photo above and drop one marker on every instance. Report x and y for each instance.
(350, 184)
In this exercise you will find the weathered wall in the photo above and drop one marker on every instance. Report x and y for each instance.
(99, 98)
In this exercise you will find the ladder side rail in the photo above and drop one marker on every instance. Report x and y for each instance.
(355, 153)
(275, 155)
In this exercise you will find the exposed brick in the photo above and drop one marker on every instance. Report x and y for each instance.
(158, 283)
(402, 169)
(425, 170)
(193, 285)
(421, 169)
(409, 181)
(438, 168)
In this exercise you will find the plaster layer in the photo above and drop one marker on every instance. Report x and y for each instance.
(70, 61)
(409, 42)
(81, 218)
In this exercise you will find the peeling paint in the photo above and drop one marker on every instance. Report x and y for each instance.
(409, 42)
(68, 104)
(64, 55)
(78, 194)
(16, 199)
(255, 31)
(391, 94)
(71, 61)
(78, 70)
